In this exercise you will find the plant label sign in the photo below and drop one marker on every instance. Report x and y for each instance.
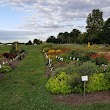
(84, 78)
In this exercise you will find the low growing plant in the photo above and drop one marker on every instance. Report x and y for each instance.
(101, 60)
(5, 69)
(87, 68)
(97, 82)
(59, 84)
(69, 69)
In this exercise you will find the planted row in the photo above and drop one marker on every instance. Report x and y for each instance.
(68, 79)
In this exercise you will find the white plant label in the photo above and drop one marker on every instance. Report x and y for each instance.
(84, 78)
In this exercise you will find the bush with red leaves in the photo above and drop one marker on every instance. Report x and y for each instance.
(9, 55)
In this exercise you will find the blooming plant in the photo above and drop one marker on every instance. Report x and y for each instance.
(54, 52)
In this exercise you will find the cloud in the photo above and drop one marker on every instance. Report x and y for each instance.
(6, 35)
(56, 15)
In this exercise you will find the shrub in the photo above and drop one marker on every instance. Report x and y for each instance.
(5, 69)
(75, 53)
(97, 83)
(9, 55)
(107, 78)
(59, 84)
(50, 52)
(87, 68)
(69, 69)
(76, 83)
(108, 68)
(101, 60)
(13, 48)
(58, 51)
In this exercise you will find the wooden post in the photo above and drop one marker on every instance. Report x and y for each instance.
(89, 45)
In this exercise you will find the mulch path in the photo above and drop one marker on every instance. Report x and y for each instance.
(77, 99)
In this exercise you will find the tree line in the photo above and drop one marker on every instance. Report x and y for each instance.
(97, 31)
(35, 42)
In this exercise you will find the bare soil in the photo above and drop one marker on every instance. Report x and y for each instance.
(76, 99)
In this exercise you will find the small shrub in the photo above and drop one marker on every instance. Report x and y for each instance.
(97, 82)
(9, 55)
(87, 68)
(59, 84)
(107, 78)
(5, 69)
(50, 52)
(58, 51)
(76, 83)
(101, 60)
(69, 69)
(75, 53)
(108, 68)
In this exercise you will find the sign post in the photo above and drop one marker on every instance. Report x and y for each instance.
(84, 79)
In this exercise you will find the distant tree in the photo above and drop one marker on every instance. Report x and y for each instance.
(82, 38)
(66, 37)
(29, 42)
(60, 37)
(51, 39)
(74, 34)
(37, 41)
(94, 25)
(0, 43)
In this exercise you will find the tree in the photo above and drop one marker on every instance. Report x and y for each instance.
(74, 34)
(29, 42)
(66, 37)
(51, 39)
(105, 34)
(94, 25)
(36, 41)
(60, 37)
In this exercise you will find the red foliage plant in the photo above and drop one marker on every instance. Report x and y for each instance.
(94, 56)
(107, 56)
(9, 55)
(66, 50)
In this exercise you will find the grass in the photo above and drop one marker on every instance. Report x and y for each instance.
(4, 48)
(24, 87)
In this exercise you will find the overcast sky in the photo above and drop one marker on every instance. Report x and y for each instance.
(23, 20)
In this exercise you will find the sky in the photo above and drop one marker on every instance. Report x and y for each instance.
(24, 20)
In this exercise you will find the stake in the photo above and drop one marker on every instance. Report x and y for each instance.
(84, 87)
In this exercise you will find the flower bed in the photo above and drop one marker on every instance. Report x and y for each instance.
(75, 63)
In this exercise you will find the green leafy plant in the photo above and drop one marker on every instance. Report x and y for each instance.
(87, 68)
(59, 84)
(69, 69)
(5, 69)
(76, 83)
(101, 60)
(97, 82)
(107, 78)
(75, 53)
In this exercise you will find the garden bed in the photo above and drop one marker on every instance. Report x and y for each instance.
(78, 99)
(13, 65)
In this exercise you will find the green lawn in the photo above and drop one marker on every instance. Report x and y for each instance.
(24, 87)
(4, 48)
